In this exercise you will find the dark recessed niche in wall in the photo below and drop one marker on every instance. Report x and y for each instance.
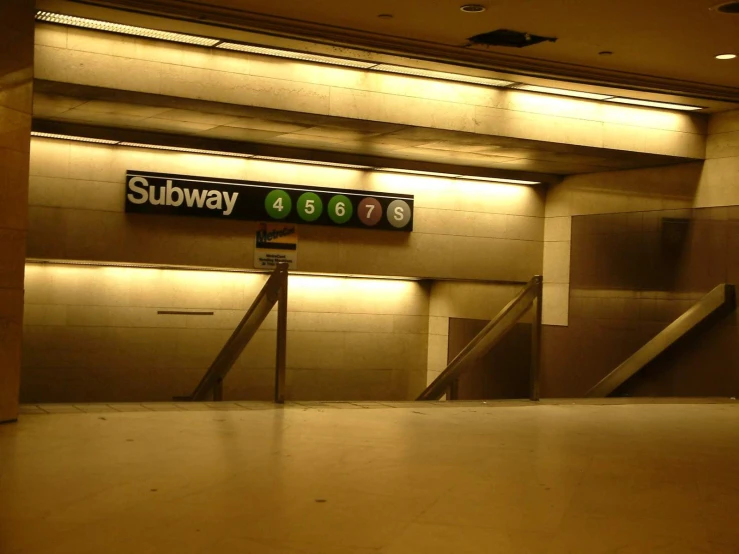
(667, 250)
(638, 251)
(632, 274)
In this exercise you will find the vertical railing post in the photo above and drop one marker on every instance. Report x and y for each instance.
(281, 360)
(536, 342)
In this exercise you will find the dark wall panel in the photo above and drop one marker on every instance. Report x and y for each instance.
(631, 275)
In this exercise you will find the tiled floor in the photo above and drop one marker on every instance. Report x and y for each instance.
(386, 478)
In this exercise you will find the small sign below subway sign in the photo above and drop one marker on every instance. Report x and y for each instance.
(165, 194)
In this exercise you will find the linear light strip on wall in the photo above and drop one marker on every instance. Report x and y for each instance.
(304, 56)
(68, 137)
(312, 162)
(111, 27)
(563, 92)
(277, 159)
(442, 75)
(651, 104)
(86, 23)
(165, 267)
(459, 176)
(188, 150)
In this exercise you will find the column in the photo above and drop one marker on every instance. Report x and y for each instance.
(16, 87)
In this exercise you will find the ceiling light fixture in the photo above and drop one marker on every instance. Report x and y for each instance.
(726, 56)
(418, 172)
(442, 75)
(69, 137)
(472, 8)
(459, 176)
(303, 56)
(563, 92)
(186, 150)
(311, 162)
(651, 104)
(731, 8)
(98, 25)
(499, 180)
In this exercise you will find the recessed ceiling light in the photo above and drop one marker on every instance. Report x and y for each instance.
(472, 8)
(386, 16)
(97, 25)
(726, 56)
(732, 8)
(605, 53)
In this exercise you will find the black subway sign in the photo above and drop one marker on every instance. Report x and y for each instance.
(165, 194)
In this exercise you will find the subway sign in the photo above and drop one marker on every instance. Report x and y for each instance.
(165, 194)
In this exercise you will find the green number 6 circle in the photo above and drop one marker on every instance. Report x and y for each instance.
(340, 209)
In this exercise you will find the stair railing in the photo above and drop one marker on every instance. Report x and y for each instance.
(273, 292)
(491, 334)
(721, 299)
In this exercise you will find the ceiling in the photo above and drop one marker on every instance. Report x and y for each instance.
(673, 40)
(58, 107)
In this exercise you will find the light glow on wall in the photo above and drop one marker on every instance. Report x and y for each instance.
(98, 283)
(99, 25)
(298, 162)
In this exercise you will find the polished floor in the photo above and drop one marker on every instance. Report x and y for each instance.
(387, 478)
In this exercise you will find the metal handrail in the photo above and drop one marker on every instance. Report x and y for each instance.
(491, 334)
(723, 297)
(273, 292)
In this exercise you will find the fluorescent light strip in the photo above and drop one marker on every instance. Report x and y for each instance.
(68, 137)
(415, 172)
(499, 180)
(442, 75)
(459, 176)
(563, 92)
(304, 56)
(311, 162)
(650, 104)
(98, 25)
(186, 150)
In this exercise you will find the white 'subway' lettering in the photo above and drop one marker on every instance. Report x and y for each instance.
(140, 192)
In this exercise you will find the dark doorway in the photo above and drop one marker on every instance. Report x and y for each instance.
(502, 373)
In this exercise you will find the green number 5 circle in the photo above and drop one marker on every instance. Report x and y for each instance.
(340, 209)
(310, 206)
(278, 204)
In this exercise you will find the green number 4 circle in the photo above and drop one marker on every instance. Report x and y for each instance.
(340, 209)
(278, 204)
(310, 206)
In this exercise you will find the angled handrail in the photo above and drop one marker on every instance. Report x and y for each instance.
(491, 334)
(721, 297)
(273, 292)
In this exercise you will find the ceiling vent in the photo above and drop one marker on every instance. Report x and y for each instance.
(728, 7)
(505, 37)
